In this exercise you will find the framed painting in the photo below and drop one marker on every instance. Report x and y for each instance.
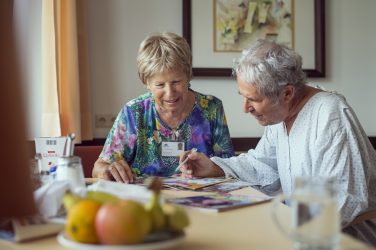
(214, 46)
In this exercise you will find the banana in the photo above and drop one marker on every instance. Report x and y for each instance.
(70, 199)
(101, 197)
(177, 217)
(154, 208)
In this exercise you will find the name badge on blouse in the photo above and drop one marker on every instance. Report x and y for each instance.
(172, 148)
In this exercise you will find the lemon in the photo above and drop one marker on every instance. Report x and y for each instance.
(81, 221)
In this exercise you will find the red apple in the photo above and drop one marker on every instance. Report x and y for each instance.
(123, 222)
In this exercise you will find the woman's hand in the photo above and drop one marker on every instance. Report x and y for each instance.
(199, 165)
(119, 171)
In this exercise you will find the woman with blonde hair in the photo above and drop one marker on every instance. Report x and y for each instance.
(146, 136)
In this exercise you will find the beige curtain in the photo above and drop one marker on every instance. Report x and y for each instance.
(66, 86)
(50, 103)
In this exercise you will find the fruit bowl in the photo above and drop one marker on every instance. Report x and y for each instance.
(162, 240)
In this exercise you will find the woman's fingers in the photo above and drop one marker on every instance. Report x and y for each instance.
(121, 172)
(114, 172)
(126, 172)
(105, 175)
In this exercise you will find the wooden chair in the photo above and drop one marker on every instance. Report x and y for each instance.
(363, 217)
(88, 154)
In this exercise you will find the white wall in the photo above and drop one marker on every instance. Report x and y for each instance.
(116, 27)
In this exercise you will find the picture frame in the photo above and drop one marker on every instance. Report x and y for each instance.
(310, 18)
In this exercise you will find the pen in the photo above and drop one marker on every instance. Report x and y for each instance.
(185, 160)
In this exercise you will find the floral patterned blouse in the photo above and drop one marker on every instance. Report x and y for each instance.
(137, 135)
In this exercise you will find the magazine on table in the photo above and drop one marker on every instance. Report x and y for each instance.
(192, 183)
(227, 186)
(218, 185)
(31, 227)
(219, 202)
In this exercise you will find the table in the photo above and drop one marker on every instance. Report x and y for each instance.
(244, 228)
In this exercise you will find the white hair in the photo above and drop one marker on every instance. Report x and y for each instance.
(270, 66)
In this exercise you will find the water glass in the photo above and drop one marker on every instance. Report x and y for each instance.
(70, 168)
(314, 221)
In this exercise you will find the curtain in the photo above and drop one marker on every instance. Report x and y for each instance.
(50, 104)
(66, 101)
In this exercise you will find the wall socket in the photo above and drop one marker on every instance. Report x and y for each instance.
(104, 121)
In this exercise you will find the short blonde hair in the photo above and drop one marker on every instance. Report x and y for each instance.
(161, 52)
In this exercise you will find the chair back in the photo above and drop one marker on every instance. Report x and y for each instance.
(88, 154)
(363, 217)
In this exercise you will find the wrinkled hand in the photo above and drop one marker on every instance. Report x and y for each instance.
(199, 165)
(118, 171)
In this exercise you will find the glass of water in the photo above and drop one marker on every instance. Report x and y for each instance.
(312, 220)
(70, 168)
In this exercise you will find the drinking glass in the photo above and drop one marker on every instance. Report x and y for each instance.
(70, 168)
(313, 220)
